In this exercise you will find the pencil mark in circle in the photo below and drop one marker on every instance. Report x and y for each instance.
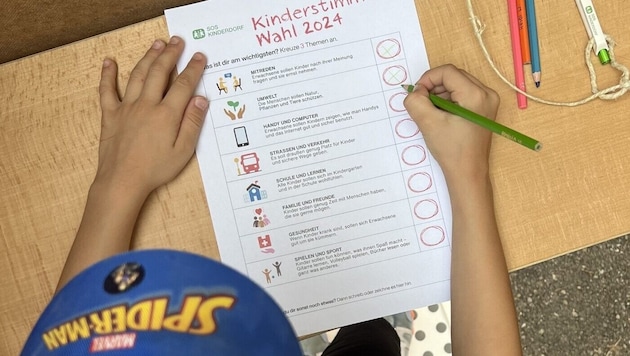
(426, 209)
(434, 308)
(440, 327)
(419, 182)
(123, 278)
(406, 128)
(388, 49)
(395, 75)
(414, 155)
(432, 236)
(396, 102)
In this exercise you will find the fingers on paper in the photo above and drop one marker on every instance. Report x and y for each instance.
(108, 89)
(184, 85)
(192, 122)
(139, 74)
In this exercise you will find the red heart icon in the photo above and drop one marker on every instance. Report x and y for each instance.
(258, 211)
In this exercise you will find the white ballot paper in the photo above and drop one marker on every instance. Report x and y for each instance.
(320, 186)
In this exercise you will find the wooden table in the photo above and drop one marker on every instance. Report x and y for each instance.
(571, 195)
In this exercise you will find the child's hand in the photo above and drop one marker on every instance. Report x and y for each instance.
(461, 147)
(150, 135)
(147, 138)
(478, 263)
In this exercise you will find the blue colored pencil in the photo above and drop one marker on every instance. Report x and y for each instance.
(530, 10)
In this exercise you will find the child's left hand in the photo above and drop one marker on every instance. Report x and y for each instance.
(149, 135)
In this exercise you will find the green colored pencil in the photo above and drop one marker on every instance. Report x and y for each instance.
(482, 121)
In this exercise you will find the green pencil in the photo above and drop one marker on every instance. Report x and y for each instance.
(484, 122)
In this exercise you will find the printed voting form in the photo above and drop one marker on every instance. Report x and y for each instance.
(320, 186)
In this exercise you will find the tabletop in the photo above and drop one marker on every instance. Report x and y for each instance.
(571, 195)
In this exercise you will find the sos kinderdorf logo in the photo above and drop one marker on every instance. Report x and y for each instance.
(214, 30)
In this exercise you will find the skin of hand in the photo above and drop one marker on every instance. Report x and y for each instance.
(483, 315)
(458, 145)
(147, 137)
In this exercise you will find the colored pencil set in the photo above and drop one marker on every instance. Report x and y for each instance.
(524, 38)
(525, 49)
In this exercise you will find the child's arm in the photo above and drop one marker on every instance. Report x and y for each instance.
(147, 138)
(483, 315)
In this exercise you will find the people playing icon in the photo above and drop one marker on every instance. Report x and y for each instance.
(267, 273)
(277, 265)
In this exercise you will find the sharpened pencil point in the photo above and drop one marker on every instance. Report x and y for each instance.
(537, 84)
(408, 87)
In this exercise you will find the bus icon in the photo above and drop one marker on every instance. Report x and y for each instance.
(249, 162)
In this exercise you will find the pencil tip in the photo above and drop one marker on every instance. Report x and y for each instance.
(408, 87)
(537, 84)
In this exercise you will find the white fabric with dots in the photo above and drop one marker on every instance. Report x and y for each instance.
(432, 331)
(430, 336)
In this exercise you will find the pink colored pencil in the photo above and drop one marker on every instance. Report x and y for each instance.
(517, 56)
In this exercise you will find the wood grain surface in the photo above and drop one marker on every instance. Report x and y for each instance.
(572, 194)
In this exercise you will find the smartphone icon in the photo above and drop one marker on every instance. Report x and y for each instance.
(240, 134)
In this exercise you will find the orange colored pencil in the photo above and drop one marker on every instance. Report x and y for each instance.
(522, 31)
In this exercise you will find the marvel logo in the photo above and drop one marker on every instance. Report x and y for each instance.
(113, 342)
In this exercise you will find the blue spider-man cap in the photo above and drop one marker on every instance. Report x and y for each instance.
(161, 302)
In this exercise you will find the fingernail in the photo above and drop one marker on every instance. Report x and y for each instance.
(174, 40)
(107, 62)
(201, 103)
(197, 56)
(157, 44)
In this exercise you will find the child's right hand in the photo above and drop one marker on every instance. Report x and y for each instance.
(460, 147)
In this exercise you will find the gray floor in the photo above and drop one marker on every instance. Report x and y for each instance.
(577, 304)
